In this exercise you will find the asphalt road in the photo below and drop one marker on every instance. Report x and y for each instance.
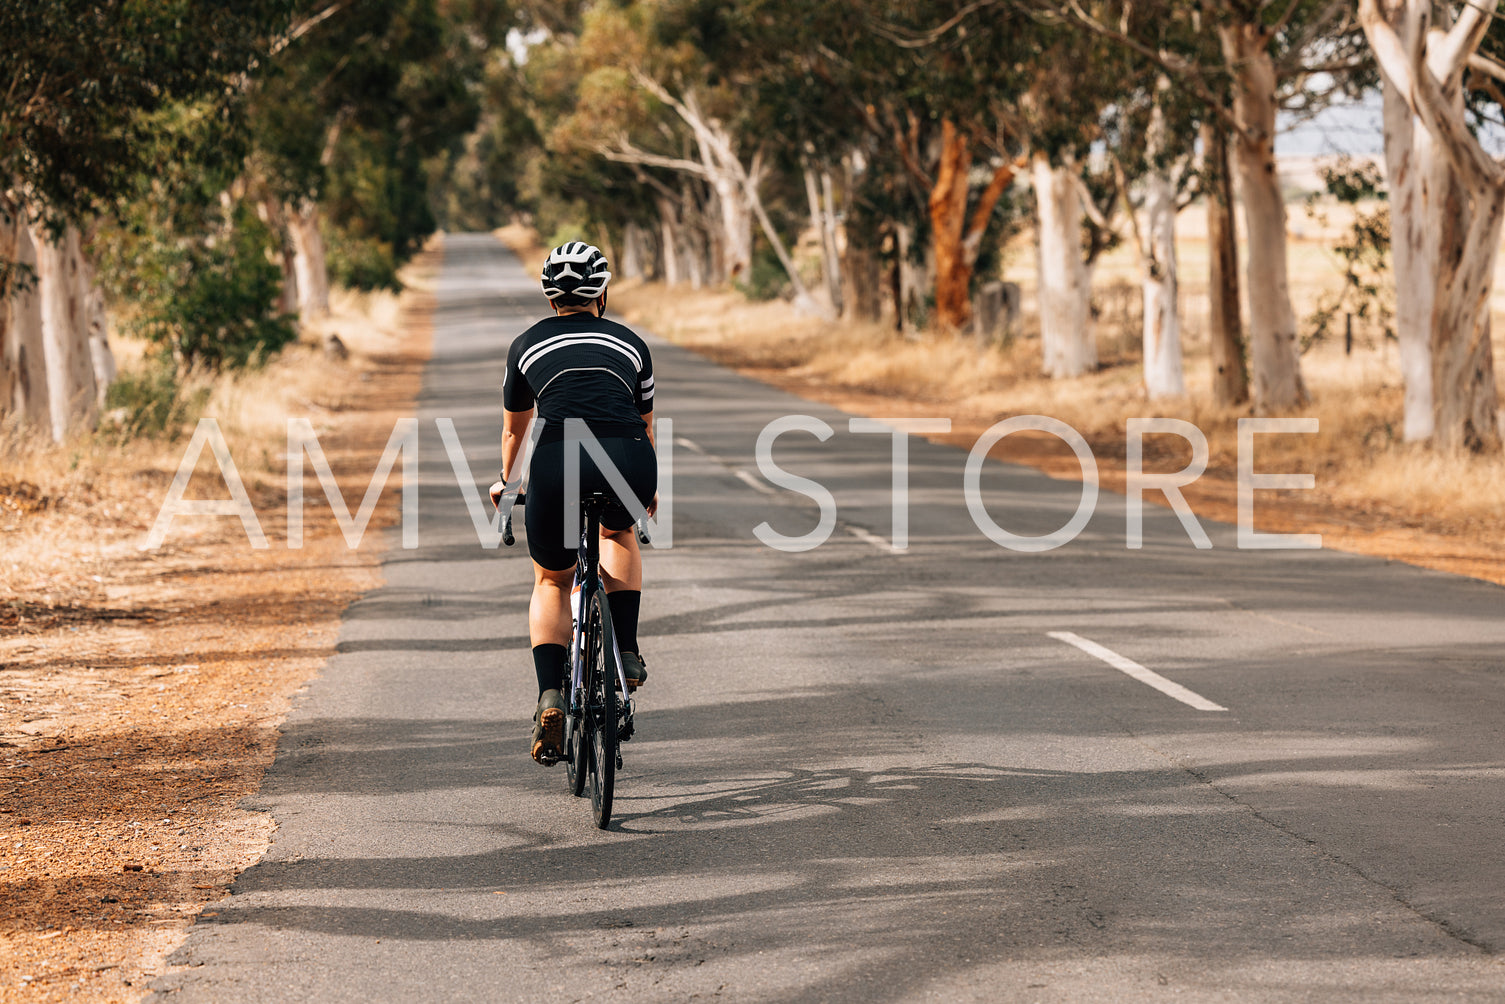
(863, 775)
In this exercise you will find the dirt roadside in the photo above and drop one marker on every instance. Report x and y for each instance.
(135, 716)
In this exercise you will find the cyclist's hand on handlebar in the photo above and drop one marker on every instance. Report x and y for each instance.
(496, 491)
(653, 507)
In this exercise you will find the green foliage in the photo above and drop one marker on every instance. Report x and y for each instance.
(1364, 251)
(151, 399)
(206, 294)
(79, 73)
(766, 278)
(187, 265)
(479, 185)
(566, 233)
(361, 114)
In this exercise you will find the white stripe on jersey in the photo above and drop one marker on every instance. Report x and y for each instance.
(585, 369)
(579, 338)
(648, 384)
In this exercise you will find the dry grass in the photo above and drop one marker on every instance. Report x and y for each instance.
(1361, 467)
(67, 511)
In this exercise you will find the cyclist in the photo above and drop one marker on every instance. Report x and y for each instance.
(577, 364)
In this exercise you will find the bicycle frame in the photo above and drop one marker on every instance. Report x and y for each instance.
(587, 582)
(595, 715)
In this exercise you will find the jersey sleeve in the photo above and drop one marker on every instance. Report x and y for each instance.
(517, 393)
(644, 394)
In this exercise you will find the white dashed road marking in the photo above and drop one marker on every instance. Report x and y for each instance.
(1167, 687)
(872, 538)
(748, 479)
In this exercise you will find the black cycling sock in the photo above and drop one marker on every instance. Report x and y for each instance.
(624, 605)
(548, 663)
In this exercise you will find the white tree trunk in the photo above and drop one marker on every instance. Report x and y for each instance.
(736, 225)
(818, 191)
(23, 359)
(912, 281)
(693, 252)
(832, 241)
(1163, 375)
(309, 262)
(65, 291)
(1411, 164)
(668, 224)
(1465, 396)
(823, 221)
(1065, 284)
(1274, 356)
(98, 323)
(1464, 206)
(632, 251)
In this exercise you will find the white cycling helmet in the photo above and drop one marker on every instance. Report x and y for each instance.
(575, 269)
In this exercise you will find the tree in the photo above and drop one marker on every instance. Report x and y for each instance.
(1265, 51)
(1448, 185)
(646, 91)
(349, 120)
(185, 259)
(82, 79)
(1154, 138)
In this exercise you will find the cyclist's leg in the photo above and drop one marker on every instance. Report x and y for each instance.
(549, 629)
(621, 560)
(549, 622)
(622, 574)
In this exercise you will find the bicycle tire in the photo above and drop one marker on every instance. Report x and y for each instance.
(577, 736)
(602, 699)
(576, 743)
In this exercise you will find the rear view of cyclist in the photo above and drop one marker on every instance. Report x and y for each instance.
(576, 364)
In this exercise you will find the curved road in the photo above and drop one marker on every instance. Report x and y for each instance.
(868, 776)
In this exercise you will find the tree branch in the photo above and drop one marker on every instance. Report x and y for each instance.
(1182, 70)
(1424, 94)
(303, 27)
(982, 213)
(1463, 40)
(895, 34)
(625, 153)
(1141, 248)
(1486, 66)
(1388, 49)
(1285, 19)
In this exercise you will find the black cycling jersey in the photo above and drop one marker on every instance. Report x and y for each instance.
(581, 366)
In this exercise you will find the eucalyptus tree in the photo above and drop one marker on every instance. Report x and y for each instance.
(82, 79)
(348, 120)
(1447, 204)
(1150, 137)
(648, 88)
(1267, 54)
(910, 106)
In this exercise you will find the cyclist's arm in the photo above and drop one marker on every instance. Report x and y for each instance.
(514, 433)
(648, 417)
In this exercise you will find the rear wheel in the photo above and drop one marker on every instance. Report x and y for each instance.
(576, 741)
(602, 711)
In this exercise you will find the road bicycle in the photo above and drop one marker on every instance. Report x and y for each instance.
(599, 716)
